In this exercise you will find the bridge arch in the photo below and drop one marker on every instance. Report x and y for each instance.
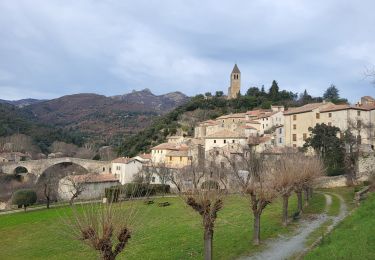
(37, 167)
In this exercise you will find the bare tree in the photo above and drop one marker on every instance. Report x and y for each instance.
(193, 173)
(48, 185)
(285, 171)
(99, 226)
(75, 185)
(254, 176)
(207, 203)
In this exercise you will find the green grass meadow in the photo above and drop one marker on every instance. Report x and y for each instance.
(172, 232)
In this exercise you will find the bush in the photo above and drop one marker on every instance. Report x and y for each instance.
(112, 194)
(131, 190)
(24, 198)
(210, 184)
(335, 171)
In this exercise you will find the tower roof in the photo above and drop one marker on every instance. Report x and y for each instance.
(236, 69)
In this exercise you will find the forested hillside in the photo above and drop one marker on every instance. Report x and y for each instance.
(14, 121)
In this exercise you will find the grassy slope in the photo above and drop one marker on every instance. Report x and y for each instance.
(353, 238)
(167, 233)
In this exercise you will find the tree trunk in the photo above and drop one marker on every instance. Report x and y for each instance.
(256, 232)
(306, 191)
(311, 191)
(208, 235)
(299, 197)
(48, 202)
(71, 201)
(285, 209)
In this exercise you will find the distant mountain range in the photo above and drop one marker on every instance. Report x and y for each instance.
(21, 102)
(102, 119)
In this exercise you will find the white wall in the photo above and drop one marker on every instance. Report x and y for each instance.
(126, 171)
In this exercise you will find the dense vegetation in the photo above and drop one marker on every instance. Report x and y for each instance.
(14, 120)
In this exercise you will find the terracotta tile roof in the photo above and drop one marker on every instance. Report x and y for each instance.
(257, 112)
(93, 178)
(183, 153)
(164, 146)
(305, 108)
(122, 160)
(170, 146)
(225, 134)
(146, 156)
(258, 140)
(344, 107)
(209, 122)
(237, 115)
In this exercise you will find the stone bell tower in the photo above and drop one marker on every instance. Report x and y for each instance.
(235, 83)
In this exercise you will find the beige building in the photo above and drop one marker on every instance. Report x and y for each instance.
(223, 138)
(298, 120)
(178, 159)
(360, 119)
(235, 83)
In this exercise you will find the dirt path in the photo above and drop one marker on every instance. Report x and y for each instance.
(285, 247)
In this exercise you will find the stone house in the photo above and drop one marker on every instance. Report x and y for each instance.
(93, 185)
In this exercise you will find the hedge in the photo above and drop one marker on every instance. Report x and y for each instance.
(131, 190)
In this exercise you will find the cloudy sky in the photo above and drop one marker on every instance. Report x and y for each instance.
(52, 48)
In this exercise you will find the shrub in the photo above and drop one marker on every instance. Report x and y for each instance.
(210, 184)
(335, 171)
(112, 194)
(131, 190)
(24, 198)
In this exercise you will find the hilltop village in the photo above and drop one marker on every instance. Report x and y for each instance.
(268, 131)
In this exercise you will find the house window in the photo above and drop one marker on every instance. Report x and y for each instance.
(103, 169)
(304, 136)
(359, 123)
(294, 137)
(214, 141)
(170, 158)
(294, 117)
(180, 158)
(294, 127)
(358, 113)
(153, 179)
(359, 139)
(232, 141)
(317, 115)
(329, 114)
(225, 141)
(294, 145)
(280, 130)
(280, 140)
(329, 124)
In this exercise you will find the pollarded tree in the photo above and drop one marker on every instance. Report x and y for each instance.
(207, 203)
(254, 176)
(314, 168)
(285, 172)
(103, 227)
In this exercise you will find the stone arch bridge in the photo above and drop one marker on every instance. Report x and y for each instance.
(37, 167)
